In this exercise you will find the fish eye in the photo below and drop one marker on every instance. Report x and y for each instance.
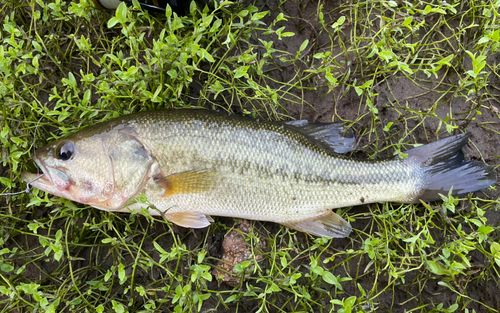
(64, 151)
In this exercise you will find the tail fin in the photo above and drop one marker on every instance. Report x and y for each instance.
(445, 167)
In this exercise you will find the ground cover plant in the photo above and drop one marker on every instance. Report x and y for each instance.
(398, 73)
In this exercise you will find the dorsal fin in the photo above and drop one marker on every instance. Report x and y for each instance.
(332, 136)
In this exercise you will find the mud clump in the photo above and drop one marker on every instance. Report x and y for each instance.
(237, 250)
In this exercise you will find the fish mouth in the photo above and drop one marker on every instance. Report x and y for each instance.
(41, 181)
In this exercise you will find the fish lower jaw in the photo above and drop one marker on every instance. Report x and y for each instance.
(40, 181)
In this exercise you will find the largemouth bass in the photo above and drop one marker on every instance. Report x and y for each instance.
(191, 164)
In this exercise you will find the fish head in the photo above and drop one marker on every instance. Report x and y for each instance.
(102, 170)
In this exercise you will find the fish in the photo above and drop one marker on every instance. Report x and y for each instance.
(188, 165)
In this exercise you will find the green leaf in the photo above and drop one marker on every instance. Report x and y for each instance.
(284, 262)
(5, 181)
(109, 240)
(485, 229)
(58, 255)
(446, 284)
(16, 155)
(495, 250)
(192, 7)
(412, 239)
(483, 40)
(303, 46)
(273, 288)
(349, 302)
(233, 298)
(339, 22)
(112, 22)
(367, 84)
(386, 55)
(117, 306)
(4, 290)
(121, 13)
(18, 141)
(241, 71)
(71, 81)
(446, 253)
(201, 256)
(408, 21)
(479, 63)
(471, 73)
(37, 46)
(318, 270)
(86, 97)
(205, 55)
(136, 4)
(294, 277)
(121, 273)
(495, 36)
(108, 275)
(436, 267)
(287, 34)
(388, 126)
(331, 279)
(216, 87)
(281, 17)
(168, 11)
(447, 60)
(332, 81)
(6, 268)
(259, 15)
(59, 235)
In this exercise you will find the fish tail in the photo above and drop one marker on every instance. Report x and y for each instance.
(444, 168)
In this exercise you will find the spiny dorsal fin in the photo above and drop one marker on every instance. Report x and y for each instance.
(327, 225)
(332, 136)
(196, 181)
(189, 219)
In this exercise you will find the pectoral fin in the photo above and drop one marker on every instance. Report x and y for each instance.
(326, 225)
(186, 182)
(189, 219)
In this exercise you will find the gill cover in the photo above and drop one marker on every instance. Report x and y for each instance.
(131, 162)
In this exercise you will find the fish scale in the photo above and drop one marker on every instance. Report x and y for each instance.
(275, 156)
(191, 164)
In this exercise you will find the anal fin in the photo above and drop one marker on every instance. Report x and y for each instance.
(327, 225)
(189, 219)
